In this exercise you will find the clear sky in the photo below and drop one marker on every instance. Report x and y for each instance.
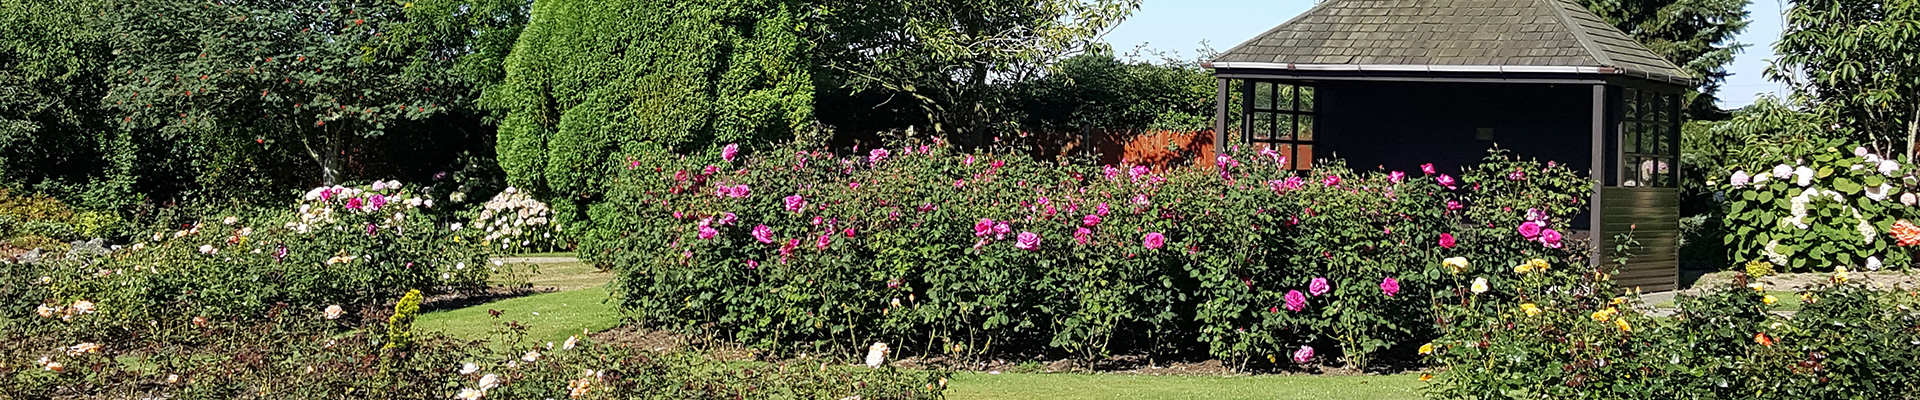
(1179, 27)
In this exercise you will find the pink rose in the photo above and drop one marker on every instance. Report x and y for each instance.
(983, 228)
(875, 156)
(1427, 168)
(1027, 241)
(707, 232)
(848, 232)
(1090, 220)
(353, 203)
(1390, 286)
(740, 191)
(1446, 240)
(1083, 236)
(1530, 230)
(1551, 238)
(763, 234)
(1102, 210)
(1303, 355)
(1319, 287)
(795, 203)
(1139, 171)
(1296, 301)
(1000, 231)
(727, 153)
(825, 240)
(1331, 181)
(728, 218)
(1516, 175)
(787, 249)
(1446, 180)
(1396, 176)
(1453, 205)
(1154, 240)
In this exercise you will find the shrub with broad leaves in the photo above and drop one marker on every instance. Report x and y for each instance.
(942, 252)
(1822, 205)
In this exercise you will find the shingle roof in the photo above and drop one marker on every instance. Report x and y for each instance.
(1521, 34)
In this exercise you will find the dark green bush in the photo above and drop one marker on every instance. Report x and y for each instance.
(882, 245)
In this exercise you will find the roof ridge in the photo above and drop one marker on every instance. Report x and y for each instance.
(1276, 28)
(1579, 33)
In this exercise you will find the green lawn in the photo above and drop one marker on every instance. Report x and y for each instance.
(981, 386)
(566, 276)
(548, 254)
(549, 316)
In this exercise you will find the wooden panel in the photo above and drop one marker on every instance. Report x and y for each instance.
(1653, 216)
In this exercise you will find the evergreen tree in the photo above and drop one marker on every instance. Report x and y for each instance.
(1698, 35)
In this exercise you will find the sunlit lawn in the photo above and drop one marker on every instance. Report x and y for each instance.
(981, 386)
(1787, 301)
(548, 316)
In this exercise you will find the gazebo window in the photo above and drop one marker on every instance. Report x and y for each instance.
(1279, 115)
(1647, 131)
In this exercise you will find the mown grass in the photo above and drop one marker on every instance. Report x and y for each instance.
(548, 316)
(981, 386)
(1786, 301)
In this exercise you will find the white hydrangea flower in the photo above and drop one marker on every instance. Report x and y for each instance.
(1772, 252)
(1782, 170)
(1879, 193)
(1873, 263)
(1803, 176)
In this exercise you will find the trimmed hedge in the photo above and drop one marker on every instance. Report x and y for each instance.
(941, 252)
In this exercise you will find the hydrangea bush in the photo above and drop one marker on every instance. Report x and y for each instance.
(346, 246)
(943, 252)
(1822, 207)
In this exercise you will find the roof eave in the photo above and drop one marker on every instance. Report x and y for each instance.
(1490, 69)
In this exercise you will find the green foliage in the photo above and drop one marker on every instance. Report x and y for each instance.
(39, 218)
(340, 247)
(967, 255)
(1845, 342)
(590, 79)
(294, 354)
(257, 80)
(941, 66)
(400, 325)
(1697, 35)
(1856, 62)
(1099, 91)
(1819, 204)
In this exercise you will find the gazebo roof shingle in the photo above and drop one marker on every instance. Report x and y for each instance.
(1451, 35)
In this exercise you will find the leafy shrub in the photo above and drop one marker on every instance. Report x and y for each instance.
(298, 352)
(1819, 204)
(950, 253)
(1542, 337)
(37, 220)
(350, 246)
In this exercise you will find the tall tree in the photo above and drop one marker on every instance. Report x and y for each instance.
(53, 134)
(263, 80)
(1858, 62)
(1696, 34)
(948, 61)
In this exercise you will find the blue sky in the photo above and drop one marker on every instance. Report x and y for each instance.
(1179, 26)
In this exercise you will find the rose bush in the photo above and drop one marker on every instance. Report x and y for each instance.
(300, 352)
(348, 246)
(1821, 204)
(942, 252)
(1573, 337)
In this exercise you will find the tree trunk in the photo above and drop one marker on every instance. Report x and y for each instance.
(1913, 129)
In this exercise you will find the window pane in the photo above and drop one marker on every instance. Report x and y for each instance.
(1303, 157)
(1630, 139)
(1263, 95)
(1306, 127)
(1663, 139)
(1306, 97)
(1629, 102)
(1662, 102)
(1262, 126)
(1283, 97)
(1631, 175)
(1648, 111)
(1283, 127)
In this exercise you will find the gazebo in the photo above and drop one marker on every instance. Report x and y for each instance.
(1397, 83)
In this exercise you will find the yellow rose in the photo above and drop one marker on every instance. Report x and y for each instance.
(1426, 377)
(1479, 285)
(1523, 268)
(1622, 323)
(1532, 310)
(1603, 315)
(1458, 265)
(1426, 348)
(1769, 299)
(1538, 264)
